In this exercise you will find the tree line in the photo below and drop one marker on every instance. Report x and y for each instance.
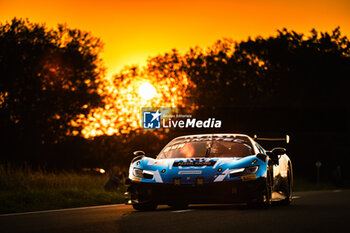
(285, 83)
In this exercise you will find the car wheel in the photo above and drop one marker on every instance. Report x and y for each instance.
(145, 206)
(267, 195)
(288, 189)
(265, 199)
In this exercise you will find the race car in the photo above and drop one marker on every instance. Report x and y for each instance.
(210, 168)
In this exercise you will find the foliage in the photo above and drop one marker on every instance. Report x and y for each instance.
(282, 70)
(23, 189)
(303, 71)
(47, 78)
(122, 111)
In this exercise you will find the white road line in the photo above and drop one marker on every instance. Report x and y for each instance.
(296, 197)
(181, 211)
(61, 210)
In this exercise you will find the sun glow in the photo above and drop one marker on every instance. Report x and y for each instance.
(126, 94)
(147, 91)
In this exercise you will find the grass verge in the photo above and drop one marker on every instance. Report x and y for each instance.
(27, 190)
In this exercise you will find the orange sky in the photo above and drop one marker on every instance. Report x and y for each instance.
(132, 30)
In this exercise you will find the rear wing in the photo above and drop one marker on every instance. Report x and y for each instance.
(286, 139)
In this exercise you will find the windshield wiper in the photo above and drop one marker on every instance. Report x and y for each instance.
(207, 153)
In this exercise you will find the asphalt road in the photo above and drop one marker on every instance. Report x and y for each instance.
(312, 212)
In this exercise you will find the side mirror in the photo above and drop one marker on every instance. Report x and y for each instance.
(139, 153)
(278, 151)
(273, 157)
(261, 156)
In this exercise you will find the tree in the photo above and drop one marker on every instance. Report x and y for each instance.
(303, 71)
(47, 78)
(223, 77)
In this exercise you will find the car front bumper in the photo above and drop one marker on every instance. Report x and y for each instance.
(220, 192)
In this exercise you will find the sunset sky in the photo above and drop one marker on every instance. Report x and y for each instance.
(132, 30)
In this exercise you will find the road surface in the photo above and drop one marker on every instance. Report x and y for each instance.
(312, 212)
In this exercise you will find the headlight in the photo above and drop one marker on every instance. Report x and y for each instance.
(235, 171)
(143, 173)
(251, 170)
(137, 172)
(243, 171)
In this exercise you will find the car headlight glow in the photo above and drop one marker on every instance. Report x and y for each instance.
(251, 170)
(243, 171)
(138, 172)
(142, 173)
(234, 171)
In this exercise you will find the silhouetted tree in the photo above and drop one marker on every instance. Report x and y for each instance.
(47, 78)
(303, 71)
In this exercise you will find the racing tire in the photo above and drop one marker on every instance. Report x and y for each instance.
(145, 206)
(267, 195)
(288, 189)
(265, 200)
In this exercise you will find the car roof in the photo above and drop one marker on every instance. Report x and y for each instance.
(212, 135)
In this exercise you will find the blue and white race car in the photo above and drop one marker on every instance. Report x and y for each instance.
(210, 168)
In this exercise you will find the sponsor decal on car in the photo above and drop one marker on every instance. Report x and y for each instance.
(195, 163)
(249, 177)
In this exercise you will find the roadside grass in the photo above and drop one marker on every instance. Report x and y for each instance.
(28, 190)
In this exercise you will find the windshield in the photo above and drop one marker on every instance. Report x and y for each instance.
(207, 147)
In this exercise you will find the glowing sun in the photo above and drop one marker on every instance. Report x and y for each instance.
(147, 91)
